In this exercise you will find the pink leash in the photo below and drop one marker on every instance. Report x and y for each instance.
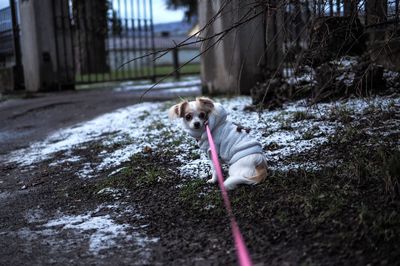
(241, 249)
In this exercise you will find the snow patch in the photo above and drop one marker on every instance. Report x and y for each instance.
(135, 129)
(103, 231)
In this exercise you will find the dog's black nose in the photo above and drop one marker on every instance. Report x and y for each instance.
(197, 124)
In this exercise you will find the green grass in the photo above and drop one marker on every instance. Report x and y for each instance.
(302, 115)
(146, 72)
(341, 114)
(199, 198)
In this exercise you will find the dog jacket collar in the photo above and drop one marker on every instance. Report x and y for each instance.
(231, 145)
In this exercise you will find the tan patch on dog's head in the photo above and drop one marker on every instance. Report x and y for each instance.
(178, 110)
(205, 104)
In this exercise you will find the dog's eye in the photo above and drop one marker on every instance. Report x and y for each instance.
(188, 117)
(202, 115)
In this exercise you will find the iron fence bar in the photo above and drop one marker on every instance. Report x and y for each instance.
(152, 41)
(78, 30)
(320, 8)
(354, 8)
(108, 40)
(314, 6)
(338, 7)
(140, 37)
(120, 54)
(132, 43)
(146, 38)
(87, 60)
(70, 27)
(15, 31)
(127, 39)
(346, 8)
(175, 61)
(121, 34)
(64, 42)
(114, 74)
(17, 46)
(122, 71)
(125, 54)
(135, 63)
(93, 34)
(105, 40)
(56, 44)
(145, 71)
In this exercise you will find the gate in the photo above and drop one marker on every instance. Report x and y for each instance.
(10, 50)
(6, 36)
(95, 37)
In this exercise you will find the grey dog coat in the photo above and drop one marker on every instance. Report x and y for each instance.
(231, 145)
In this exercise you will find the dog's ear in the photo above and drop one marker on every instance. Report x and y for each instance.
(178, 110)
(206, 103)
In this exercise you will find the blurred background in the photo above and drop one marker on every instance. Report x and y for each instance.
(53, 45)
(64, 44)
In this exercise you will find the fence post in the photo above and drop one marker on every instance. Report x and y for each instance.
(175, 60)
(18, 70)
(39, 45)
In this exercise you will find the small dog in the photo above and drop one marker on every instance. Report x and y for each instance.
(247, 162)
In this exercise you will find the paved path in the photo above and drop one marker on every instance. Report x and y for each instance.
(27, 120)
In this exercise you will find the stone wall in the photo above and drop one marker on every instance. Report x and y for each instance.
(234, 64)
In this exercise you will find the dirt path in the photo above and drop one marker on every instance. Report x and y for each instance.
(46, 214)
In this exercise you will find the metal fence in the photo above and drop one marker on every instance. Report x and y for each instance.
(95, 38)
(387, 11)
(10, 50)
(380, 18)
(6, 36)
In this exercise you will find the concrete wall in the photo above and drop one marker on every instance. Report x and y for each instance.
(38, 45)
(234, 64)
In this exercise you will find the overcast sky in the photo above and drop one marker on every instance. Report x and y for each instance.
(160, 12)
(4, 3)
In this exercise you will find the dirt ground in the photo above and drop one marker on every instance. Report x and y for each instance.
(29, 118)
(345, 213)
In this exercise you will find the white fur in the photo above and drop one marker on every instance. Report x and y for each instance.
(240, 171)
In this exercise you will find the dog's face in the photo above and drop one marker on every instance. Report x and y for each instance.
(194, 113)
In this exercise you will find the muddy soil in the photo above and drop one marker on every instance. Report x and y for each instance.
(33, 194)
